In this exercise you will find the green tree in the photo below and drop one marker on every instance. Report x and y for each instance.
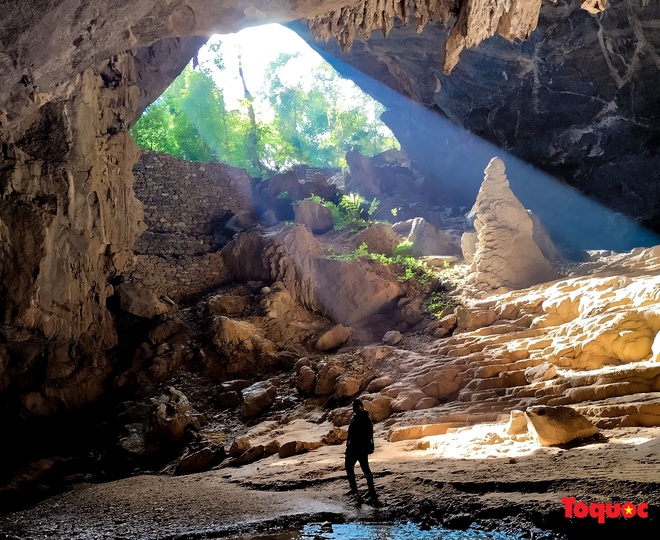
(312, 123)
(315, 124)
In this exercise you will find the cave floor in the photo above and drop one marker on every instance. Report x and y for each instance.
(452, 479)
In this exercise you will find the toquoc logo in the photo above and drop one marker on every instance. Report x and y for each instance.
(602, 511)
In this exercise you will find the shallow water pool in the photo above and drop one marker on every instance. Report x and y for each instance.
(375, 531)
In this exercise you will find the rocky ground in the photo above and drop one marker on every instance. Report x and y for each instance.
(452, 460)
(232, 411)
(458, 479)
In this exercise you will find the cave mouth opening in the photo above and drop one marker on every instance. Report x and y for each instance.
(263, 100)
(266, 101)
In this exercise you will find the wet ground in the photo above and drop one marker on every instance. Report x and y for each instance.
(519, 494)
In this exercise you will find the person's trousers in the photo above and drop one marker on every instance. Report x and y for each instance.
(349, 464)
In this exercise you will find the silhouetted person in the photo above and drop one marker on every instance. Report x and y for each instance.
(359, 445)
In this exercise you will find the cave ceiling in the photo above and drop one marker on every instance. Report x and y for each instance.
(577, 97)
(567, 85)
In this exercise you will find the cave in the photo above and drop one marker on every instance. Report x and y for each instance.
(177, 378)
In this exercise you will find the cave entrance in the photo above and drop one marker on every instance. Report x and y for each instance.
(264, 101)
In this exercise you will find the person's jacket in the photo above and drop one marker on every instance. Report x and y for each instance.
(360, 433)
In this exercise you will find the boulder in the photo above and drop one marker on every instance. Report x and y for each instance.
(379, 238)
(443, 327)
(257, 398)
(251, 455)
(341, 416)
(517, 424)
(407, 400)
(229, 304)
(423, 239)
(347, 292)
(171, 415)
(240, 445)
(347, 387)
(542, 372)
(327, 379)
(378, 406)
(410, 310)
(306, 380)
(333, 338)
(273, 447)
(553, 426)
(393, 337)
(313, 215)
(506, 254)
(197, 461)
(136, 299)
(335, 436)
(378, 384)
(292, 448)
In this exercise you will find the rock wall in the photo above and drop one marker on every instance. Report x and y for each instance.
(68, 218)
(186, 205)
(577, 99)
(184, 202)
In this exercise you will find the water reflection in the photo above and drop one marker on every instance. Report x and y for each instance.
(379, 531)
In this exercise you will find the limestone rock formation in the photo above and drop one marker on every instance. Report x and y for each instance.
(379, 238)
(424, 239)
(553, 426)
(315, 216)
(69, 219)
(476, 21)
(140, 301)
(506, 255)
(524, 97)
(74, 78)
(348, 292)
(172, 414)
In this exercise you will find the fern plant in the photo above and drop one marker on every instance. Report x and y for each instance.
(352, 204)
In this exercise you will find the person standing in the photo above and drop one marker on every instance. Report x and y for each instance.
(359, 445)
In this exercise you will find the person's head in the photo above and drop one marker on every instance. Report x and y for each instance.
(358, 405)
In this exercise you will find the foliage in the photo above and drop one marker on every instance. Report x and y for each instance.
(407, 267)
(373, 206)
(311, 123)
(352, 205)
(404, 248)
(349, 210)
(190, 121)
(454, 274)
(439, 301)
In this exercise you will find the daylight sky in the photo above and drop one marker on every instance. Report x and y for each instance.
(259, 46)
